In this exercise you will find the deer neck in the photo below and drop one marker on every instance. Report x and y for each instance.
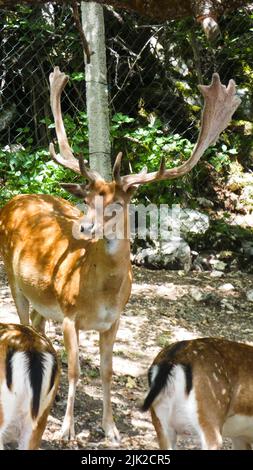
(116, 248)
(114, 251)
(107, 258)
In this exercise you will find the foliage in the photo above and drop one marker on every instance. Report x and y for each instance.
(154, 99)
(31, 43)
(27, 172)
(23, 170)
(221, 235)
(146, 143)
(143, 143)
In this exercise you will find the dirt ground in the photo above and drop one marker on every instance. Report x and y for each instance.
(163, 308)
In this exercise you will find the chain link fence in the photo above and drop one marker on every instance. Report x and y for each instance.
(152, 68)
(153, 72)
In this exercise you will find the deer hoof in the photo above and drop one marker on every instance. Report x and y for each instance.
(112, 434)
(67, 433)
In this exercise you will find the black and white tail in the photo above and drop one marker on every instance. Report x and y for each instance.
(29, 375)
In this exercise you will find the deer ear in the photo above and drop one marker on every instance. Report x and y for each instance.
(78, 190)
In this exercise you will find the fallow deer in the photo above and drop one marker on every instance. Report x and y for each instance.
(202, 386)
(82, 281)
(29, 376)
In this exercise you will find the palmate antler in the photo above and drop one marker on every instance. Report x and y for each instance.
(220, 103)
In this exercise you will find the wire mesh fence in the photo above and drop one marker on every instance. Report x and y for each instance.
(152, 68)
(153, 72)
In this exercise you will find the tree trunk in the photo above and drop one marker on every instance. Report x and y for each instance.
(97, 90)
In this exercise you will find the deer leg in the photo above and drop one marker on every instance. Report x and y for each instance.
(38, 322)
(166, 435)
(1, 431)
(26, 433)
(22, 304)
(31, 435)
(239, 443)
(106, 342)
(211, 438)
(37, 432)
(71, 344)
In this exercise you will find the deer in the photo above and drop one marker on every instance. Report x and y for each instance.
(29, 378)
(202, 386)
(84, 281)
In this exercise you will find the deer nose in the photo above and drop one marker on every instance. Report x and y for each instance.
(87, 228)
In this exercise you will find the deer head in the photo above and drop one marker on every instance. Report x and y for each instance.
(220, 102)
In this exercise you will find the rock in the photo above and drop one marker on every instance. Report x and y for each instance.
(179, 222)
(217, 274)
(249, 295)
(234, 265)
(193, 221)
(203, 202)
(201, 263)
(247, 247)
(196, 294)
(246, 197)
(245, 220)
(239, 181)
(169, 254)
(211, 299)
(83, 436)
(227, 305)
(226, 287)
(197, 266)
(218, 265)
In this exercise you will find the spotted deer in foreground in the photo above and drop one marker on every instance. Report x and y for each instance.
(202, 386)
(29, 376)
(84, 282)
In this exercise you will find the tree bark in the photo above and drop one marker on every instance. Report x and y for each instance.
(97, 90)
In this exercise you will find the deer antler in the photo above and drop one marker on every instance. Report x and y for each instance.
(220, 104)
(58, 81)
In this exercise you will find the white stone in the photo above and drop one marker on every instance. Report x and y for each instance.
(226, 287)
(218, 265)
(170, 254)
(217, 274)
(249, 295)
(185, 221)
(196, 294)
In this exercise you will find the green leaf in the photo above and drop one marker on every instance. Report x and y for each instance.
(77, 76)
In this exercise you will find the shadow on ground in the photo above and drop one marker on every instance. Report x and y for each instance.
(163, 308)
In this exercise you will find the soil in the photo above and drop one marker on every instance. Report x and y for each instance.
(163, 308)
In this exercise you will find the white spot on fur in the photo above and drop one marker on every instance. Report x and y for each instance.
(211, 388)
(112, 246)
